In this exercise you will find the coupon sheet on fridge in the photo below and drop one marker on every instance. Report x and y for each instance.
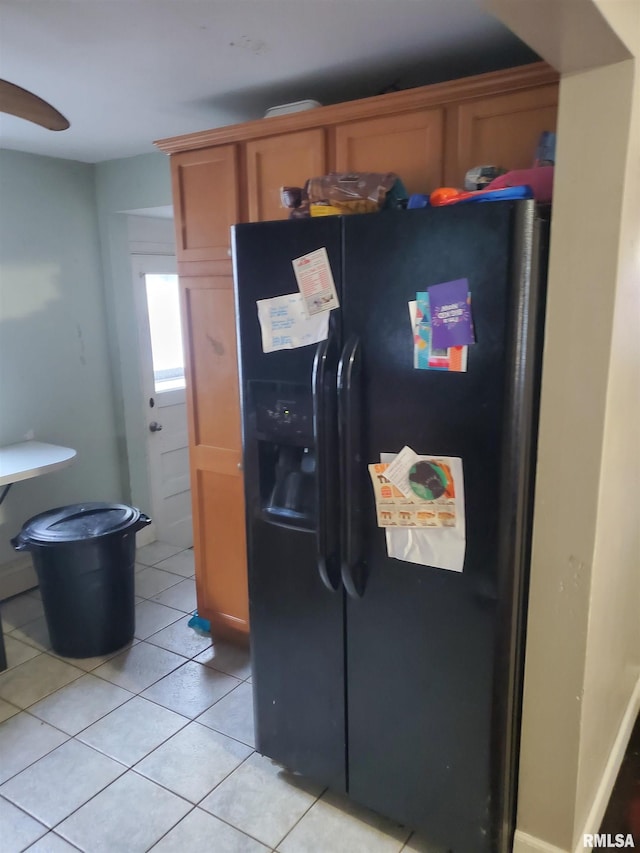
(422, 493)
(315, 280)
(284, 323)
(422, 527)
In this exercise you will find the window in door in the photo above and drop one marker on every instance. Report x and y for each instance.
(163, 307)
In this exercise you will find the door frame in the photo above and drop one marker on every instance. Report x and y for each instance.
(143, 263)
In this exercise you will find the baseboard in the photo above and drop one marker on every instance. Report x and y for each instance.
(17, 576)
(525, 843)
(612, 768)
(146, 536)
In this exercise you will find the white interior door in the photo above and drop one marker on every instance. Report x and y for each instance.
(163, 382)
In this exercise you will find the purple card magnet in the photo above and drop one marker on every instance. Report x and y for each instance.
(451, 322)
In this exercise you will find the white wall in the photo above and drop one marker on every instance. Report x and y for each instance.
(582, 677)
(612, 661)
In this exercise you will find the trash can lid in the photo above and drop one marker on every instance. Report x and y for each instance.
(79, 521)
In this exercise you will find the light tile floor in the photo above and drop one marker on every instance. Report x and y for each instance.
(152, 748)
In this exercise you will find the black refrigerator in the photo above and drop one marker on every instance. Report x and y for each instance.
(394, 682)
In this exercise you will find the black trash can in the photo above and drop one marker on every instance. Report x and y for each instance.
(84, 556)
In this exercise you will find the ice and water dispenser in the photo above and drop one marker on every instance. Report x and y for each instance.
(286, 454)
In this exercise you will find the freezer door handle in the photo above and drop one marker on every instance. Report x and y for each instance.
(324, 420)
(350, 430)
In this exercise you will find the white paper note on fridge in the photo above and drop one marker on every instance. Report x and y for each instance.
(285, 325)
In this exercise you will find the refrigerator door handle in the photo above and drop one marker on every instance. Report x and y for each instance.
(326, 480)
(350, 430)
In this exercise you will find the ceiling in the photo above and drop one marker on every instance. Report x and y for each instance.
(128, 72)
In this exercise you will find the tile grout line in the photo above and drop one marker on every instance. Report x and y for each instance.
(153, 683)
(306, 811)
(126, 767)
(198, 806)
(125, 771)
(132, 694)
(74, 737)
(83, 672)
(222, 819)
(103, 716)
(29, 815)
(55, 825)
(171, 828)
(132, 768)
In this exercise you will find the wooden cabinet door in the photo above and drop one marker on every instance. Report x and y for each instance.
(501, 130)
(205, 201)
(409, 144)
(215, 449)
(278, 161)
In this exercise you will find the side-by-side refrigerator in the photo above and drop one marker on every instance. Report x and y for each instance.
(396, 682)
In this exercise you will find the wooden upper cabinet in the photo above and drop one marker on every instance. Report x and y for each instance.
(409, 144)
(205, 200)
(278, 161)
(501, 130)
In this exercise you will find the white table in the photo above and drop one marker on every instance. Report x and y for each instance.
(21, 462)
(30, 459)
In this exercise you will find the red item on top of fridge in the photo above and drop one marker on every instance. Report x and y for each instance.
(540, 179)
(451, 195)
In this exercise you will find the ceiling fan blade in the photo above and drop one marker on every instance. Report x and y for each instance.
(23, 104)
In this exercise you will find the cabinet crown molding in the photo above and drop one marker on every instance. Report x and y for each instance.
(435, 94)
